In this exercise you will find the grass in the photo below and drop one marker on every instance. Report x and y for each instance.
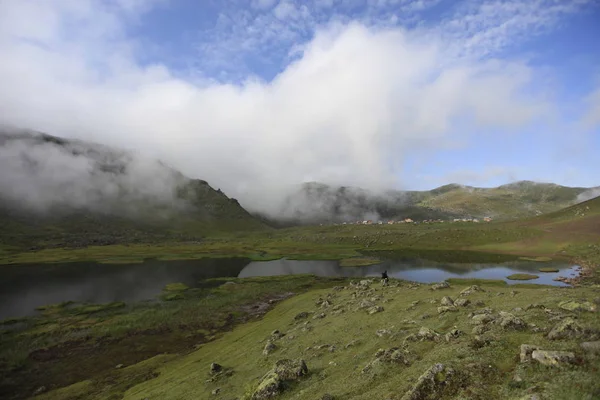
(487, 371)
(522, 277)
(69, 343)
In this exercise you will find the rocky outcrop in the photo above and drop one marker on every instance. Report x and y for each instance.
(565, 329)
(553, 358)
(441, 285)
(272, 384)
(571, 305)
(435, 383)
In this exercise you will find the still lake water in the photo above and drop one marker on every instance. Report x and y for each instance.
(25, 287)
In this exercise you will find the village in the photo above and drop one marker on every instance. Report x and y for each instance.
(411, 221)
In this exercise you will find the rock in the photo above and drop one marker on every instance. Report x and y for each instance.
(327, 396)
(118, 366)
(591, 348)
(462, 302)
(441, 285)
(365, 283)
(479, 329)
(526, 350)
(352, 344)
(366, 304)
(383, 332)
(479, 341)
(427, 334)
(513, 293)
(453, 334)
(509, 321)
(302, 315)
(445, 309)
(374, 310)
(553, 358)
(390, 356)
(571, 305)
(480, 303)
(270, 386)
(564, 329)
(433, 384)
(289, 370)
(447, 301)
(470, 290)
(535, 305)
(276, 334)
(216, 391)
(482, 319)
(326, 304)
(215, 368)
(319, 316)
(229, 283)
(40, 390)
(414, 303)
(269, 348)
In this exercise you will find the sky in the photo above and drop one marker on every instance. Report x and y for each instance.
(253, 95)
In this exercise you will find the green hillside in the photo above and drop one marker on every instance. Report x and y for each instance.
(319, 203)
(120, 199)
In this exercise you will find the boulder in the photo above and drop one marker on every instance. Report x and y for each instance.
(526, 350)
(445, 309)
(389, 356)
(366, 304)
(564, 329)
(374, 310)
(553, 358)
(383, 332)
(447, 301)
(302, 315)
(276, 334)
(591, 348)
(470, 290)
(571, 305)
(453, 334)
(269, 348)
(427, 334)
(215, 368)
(433, 384)
(509, 321)
(289, 370)
(462, 302)
(482, 319)
(441, 285)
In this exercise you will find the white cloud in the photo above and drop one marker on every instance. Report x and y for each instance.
(356, 100)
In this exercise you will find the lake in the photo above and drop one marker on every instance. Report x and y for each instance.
(25, 287)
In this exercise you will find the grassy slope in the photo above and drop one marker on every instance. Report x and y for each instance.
(488, 370)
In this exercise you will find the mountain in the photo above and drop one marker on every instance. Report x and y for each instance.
(58, 192)
(319, 203)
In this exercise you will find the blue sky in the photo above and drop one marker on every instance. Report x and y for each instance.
(253, 95)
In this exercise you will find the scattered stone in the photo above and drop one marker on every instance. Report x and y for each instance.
(391, 356)
(517, 309)
(326, 304)
(374, 310)
(553, 358)
(462, 302)
(591, 348)
(479, 341)
(479, 329)
(526, 350)
(482, 319)
(215, 368)
(276, 334)
(216, 391)
(302, 315)
(327, 396)
(445, 309)
(480, 303)
(532, 306)
(414, 303)
(433, 384)
(273, 382)
(352, 343)
(447, 301)
(228, 283)
(427, 334)
(571, 305)
(118, 366)
(433, 301)
(40, 390)
(269, 348)
(509, 321)
(513, 293)
(319, 316)
(365, 283)
(453, 334)
(425, 316)
(564, 329)
(366, 304)
(470, 290)
(441, 285)
(383, 332)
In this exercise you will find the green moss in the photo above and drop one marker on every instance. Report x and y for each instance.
(176, 287)
(522, 277)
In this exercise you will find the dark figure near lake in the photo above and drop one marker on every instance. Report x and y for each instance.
(384, 278)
